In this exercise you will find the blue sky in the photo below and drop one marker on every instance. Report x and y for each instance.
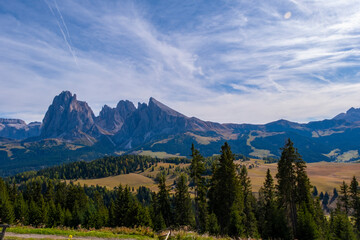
(227, 61)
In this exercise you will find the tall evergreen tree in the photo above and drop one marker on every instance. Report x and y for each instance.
(163, 198)
(355, 202)
(249, 220)
(197, 169)
(345, 198)
(21, 209)
(183, 209)
(272, 221)
(340, 226)
(286, 187)
(294, 195)
(225, 195)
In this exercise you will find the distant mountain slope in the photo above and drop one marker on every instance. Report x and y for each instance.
(70, 131)
(352, 115)
(18, 129)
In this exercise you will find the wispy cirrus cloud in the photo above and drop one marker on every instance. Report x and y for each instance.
(229, 61)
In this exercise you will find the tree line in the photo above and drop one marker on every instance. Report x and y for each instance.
(222, 203)
(103, 167)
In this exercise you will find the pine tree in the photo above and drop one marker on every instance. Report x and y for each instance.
(156, 215)
(35, 214)
(182, 201)
(340, 226)
(52, 220)
(213, 226)
(226, 199)
(163, 200)
(112, 215)
(60, 218)
(345, 198)
(21, 209)
(197, 169)
(355, 202)
(7, 214)
(286, 187)
(294, 195)
(123, 205)
(315, 192)
(267, 209)
(249, 220)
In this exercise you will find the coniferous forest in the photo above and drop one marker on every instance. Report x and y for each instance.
(219, 203)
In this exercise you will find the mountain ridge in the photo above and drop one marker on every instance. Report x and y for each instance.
(71, 127)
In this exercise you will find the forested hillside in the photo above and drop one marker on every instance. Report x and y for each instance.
(221, 203)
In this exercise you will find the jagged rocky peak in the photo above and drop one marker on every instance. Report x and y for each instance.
(153, 103)
(125, 108)
(112, 119)
(351, 115)
(67, 117)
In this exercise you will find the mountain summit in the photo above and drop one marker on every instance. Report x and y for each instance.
(112, 119)
(67, 118)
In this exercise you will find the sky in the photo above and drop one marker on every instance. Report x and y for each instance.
(225, 61)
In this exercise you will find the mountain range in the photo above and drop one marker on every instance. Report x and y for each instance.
(70, 131)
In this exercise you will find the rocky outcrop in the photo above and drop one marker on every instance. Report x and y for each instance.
(68, 118)
(18, 129)
(112, 119)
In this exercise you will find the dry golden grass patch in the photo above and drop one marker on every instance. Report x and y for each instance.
(132, 180)
(324, 175)
(161, 155)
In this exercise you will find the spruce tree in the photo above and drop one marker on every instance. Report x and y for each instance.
(182, 201)
(355, 202)
(294, 195)
(270, 223)
(225, 196)
(345, 198)
(7, 214)
(156, 215)
(163, 200)
(197, 169)
(286, 187)
(249, 220)
(21, 209)
(340, 226)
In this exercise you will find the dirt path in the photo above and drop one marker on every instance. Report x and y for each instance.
(44, 236)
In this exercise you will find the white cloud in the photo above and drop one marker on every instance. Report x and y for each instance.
(242, 62)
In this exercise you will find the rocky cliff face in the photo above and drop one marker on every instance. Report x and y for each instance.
(68, 118)
(18, 129)
(156, 120)
(112, 119)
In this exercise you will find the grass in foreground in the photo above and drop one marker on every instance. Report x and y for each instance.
(140, 233)
(120, 233)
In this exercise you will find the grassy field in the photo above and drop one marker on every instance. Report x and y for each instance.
(119, 233)
(146, 178)
(132, 180)
(324, 175)
(139, 233)
(161, 155)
